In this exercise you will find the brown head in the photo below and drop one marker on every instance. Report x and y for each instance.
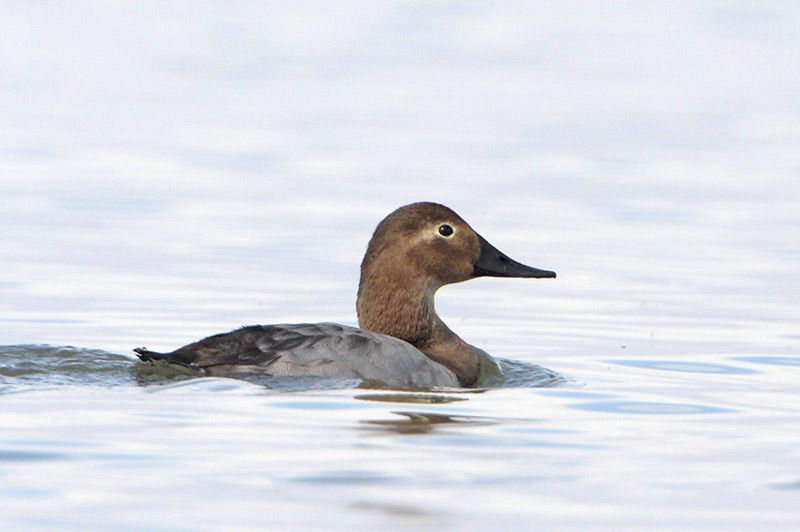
(414, 251)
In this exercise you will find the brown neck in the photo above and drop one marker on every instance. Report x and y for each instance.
(401, 306)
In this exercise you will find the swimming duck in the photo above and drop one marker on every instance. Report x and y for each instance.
(401, 341)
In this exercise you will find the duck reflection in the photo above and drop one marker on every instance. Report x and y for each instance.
(416, 398)
(424, 422)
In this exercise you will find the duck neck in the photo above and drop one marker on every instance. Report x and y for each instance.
(403, 307)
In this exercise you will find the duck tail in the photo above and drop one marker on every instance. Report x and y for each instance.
(145, 355)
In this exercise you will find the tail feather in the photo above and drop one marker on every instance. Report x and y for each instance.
(145, 355)
(167, 360)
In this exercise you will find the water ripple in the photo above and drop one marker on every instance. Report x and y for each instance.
(685, 366)
(57, 365)
(44, 364)
(771, 360)
(13, 455)
(650, 408)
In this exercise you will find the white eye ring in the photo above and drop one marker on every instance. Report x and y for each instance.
(446, 230)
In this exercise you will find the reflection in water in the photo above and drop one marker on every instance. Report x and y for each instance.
(393, 510)
(684, 366)
(346, 477)
(655, 408)
(408, 398)
(424, 422)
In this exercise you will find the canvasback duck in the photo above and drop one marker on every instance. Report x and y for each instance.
(401, 341)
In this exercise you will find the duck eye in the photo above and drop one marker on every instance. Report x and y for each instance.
(445, 230)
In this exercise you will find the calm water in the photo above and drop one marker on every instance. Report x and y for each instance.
(171, 172)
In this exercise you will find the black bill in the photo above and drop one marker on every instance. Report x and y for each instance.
(494, 263)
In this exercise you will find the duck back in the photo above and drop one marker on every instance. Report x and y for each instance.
(311, 349)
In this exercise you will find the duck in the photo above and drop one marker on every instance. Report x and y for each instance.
(400, 342)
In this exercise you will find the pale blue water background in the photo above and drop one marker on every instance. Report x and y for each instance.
(171, 171)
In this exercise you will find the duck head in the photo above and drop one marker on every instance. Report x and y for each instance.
(432, 245)
(413, 252)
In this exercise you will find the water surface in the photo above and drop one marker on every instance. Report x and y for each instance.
(167, 173)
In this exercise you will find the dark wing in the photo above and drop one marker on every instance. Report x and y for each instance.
(255, 345)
